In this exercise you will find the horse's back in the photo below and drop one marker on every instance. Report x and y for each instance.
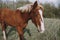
(6, 10)
(11, 17)
(5, 13)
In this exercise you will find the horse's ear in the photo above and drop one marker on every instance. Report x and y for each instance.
(35, 4)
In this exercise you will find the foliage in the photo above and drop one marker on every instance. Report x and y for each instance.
(51, 11)
(12, 4)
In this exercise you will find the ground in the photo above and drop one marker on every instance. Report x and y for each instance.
(52, 31)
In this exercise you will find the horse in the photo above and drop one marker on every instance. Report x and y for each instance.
(27, 8)
(19, 20)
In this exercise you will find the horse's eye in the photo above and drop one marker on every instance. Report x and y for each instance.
(35, 14)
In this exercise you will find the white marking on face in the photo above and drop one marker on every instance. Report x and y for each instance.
(42, 29)
(4, 35)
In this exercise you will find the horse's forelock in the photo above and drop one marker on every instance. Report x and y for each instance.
(41, 7)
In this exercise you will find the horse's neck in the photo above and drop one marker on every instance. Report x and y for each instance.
(25, 20)
(25, 17)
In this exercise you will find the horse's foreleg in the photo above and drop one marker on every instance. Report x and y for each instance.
(21, 33)
(4, 30)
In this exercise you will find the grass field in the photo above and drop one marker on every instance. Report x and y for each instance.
(52, 31)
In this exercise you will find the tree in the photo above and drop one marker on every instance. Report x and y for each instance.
(48, 10)
(0, 3)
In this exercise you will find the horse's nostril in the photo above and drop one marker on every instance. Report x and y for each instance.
(41, 31)
(38, 30)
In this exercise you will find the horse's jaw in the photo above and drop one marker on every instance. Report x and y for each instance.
(41, 28)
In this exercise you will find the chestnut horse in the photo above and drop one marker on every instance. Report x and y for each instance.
(19, 19)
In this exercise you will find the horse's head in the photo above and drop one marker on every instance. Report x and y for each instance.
(36, 15)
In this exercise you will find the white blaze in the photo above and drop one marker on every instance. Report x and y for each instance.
(4, 35)
(42, 22)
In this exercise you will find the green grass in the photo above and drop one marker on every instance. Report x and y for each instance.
(52, 31)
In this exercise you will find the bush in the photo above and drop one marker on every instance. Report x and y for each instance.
(51, 11)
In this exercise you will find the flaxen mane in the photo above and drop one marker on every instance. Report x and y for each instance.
(25, 8)
(28, 7)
